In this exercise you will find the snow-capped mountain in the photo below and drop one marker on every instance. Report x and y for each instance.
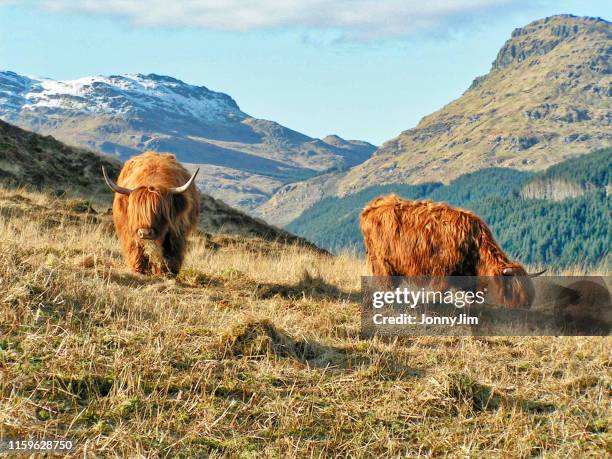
(125, 95)
(123, 115)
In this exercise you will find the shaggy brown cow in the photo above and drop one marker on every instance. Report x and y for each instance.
(423, 238)
(155, 208)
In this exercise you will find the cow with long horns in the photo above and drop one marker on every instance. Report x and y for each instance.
(423, 238)
(155, 208)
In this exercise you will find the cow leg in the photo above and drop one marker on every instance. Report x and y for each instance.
(383, 272)
(379, 268)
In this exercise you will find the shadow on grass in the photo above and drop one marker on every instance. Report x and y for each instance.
(187, 278)
(80, 388)
(192, 278)
(308, 286)
(231, 280)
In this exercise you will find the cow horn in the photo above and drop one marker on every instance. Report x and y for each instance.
(182, 189)
(538, 274)
(113, 186)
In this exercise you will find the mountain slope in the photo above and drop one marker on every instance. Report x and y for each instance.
(126, 114)
(289, 201)
(547, 97)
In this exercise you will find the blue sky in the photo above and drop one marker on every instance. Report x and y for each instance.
(362, 69)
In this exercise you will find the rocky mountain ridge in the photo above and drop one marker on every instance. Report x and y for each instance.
(547, 97)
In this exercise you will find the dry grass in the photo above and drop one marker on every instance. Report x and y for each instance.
(255, 351)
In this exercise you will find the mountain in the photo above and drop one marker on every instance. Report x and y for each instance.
(122, 115)
(291, 200)
(547, 97)
(559, 217)
(42, 162)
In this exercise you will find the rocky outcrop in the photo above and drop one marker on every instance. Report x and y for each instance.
(528, 41)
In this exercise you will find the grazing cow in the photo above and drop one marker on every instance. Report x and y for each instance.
(423, 238)
(155, 208)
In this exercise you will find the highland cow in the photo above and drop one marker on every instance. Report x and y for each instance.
(155, 208)
(427, 239)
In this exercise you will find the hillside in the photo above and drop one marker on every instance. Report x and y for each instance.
(42, 162)
(123, 115)
(27, 158)
(255, 351)
(546, 98)
(216, 217)
(291, 200)
(562, 229)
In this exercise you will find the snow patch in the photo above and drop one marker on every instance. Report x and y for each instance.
(115, 95)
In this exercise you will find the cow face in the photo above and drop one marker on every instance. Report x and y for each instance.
(512, 287)
(150, 213)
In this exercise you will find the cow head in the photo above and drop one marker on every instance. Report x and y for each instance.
(152, 210)
(511, 286)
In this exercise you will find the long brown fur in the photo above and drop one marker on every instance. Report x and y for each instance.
(423, 238)
(152, 206)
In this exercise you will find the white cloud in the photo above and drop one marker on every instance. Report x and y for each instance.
(358, 19)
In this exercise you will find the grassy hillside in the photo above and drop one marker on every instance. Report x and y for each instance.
(535, 231)
(254, 351)
(34, 161)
